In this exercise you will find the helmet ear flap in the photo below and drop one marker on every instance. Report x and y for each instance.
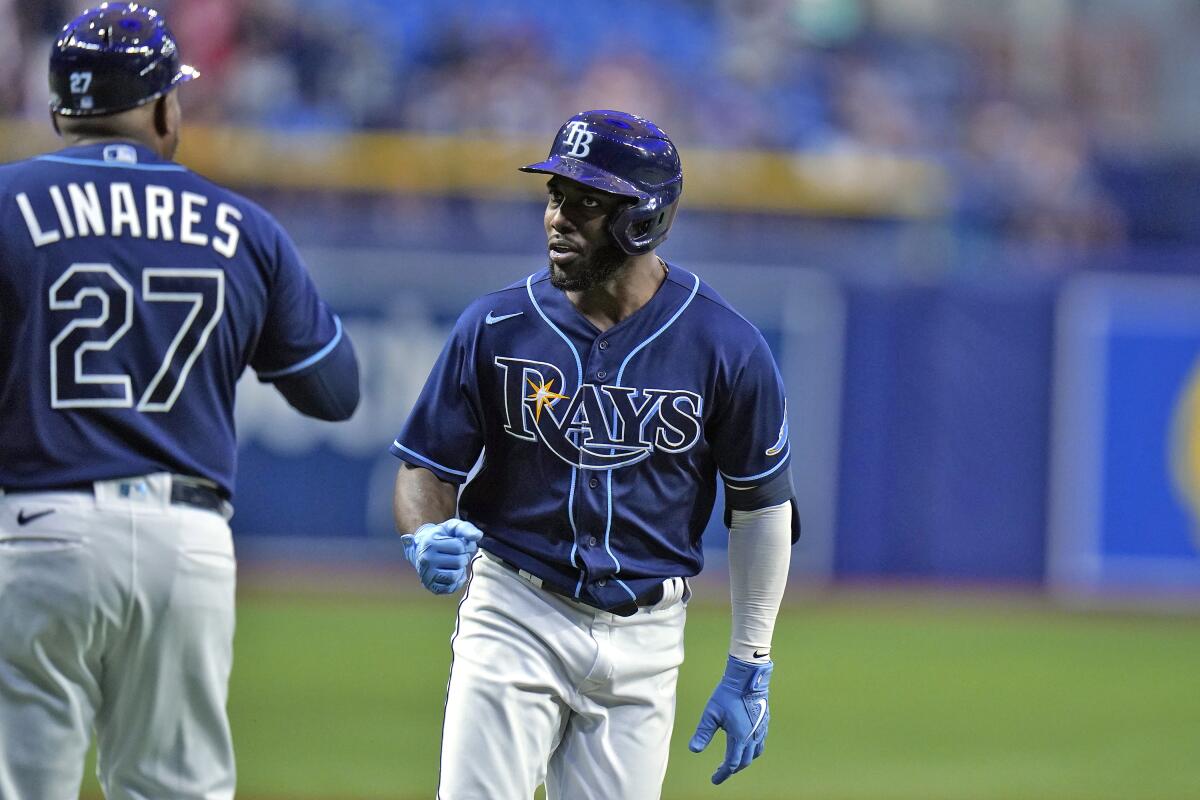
(643, 226)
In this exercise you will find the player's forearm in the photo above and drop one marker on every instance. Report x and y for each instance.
(421, 497)
(760, 547)
(330, 390)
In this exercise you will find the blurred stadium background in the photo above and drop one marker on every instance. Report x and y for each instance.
(969, 230)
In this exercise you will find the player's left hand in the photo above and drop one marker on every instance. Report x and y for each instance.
(739, 706)
(442, 552)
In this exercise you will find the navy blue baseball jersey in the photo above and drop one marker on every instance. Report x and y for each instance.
(601, 450)
(133, 294)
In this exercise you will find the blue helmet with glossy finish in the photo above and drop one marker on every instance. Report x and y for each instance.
(112, 58)
(624, 155)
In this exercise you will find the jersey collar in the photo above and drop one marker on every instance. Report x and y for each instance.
(674, 292)
(115, 151)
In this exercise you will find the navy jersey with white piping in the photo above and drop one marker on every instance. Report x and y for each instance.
(133, 294)
(602, 450)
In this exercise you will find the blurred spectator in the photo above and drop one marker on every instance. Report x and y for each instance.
(11, 56)
(496, 80)
(1031, 177)
(1018, 99)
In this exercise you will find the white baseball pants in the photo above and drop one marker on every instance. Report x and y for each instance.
(116, 612)
(547, 690)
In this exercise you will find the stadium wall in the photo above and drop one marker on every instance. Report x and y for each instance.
(926, 362)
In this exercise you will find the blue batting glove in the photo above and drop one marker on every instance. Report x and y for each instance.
(441, 553)
(739, 705)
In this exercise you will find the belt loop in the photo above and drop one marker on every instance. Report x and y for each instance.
(674, 590)
(530, 577)
(158, 484)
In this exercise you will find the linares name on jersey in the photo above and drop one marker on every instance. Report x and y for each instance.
(151, 212)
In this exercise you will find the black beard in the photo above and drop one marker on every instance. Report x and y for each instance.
(597, 270)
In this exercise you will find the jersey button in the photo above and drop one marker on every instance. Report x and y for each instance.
(602, 582)
(593, 483)
(601, 375)
(591, 542)
(604, 344)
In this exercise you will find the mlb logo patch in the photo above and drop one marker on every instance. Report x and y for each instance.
(120, 153)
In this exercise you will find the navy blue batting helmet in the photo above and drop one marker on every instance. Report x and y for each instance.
(112, 58)
(623, 155)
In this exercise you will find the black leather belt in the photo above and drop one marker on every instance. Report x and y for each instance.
(627, 609)
(184, 492)
(197, 496)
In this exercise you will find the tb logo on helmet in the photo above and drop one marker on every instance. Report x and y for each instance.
(579, 138)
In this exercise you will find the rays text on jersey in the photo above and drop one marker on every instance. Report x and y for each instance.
(156, 212)
(599, 426)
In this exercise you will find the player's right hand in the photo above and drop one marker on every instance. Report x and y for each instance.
(442, 552)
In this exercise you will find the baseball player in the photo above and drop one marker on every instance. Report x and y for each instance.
(133, 294)
(606, 395)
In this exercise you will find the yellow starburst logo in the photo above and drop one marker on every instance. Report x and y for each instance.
(1185, 447)
(545, 395)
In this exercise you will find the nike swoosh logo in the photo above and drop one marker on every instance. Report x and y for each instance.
(781, 443)
(490, 319)
(762, 712)
(763, 654)
(25, 519)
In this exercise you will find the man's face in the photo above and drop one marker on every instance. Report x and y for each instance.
(583, 254)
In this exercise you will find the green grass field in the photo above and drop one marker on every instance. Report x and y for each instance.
(877, 696)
